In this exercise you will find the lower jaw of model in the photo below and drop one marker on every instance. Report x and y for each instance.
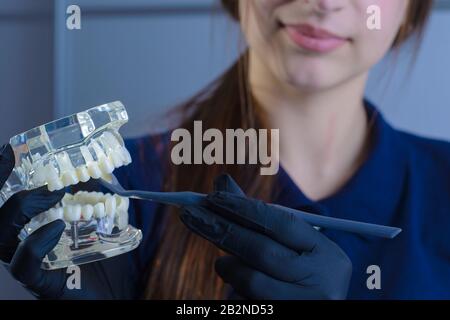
(106, 210)
(96, 223)
(96, 228)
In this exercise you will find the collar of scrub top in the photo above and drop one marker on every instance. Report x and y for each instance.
(372, 193)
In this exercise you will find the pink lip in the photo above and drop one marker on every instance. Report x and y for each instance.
(314, 39)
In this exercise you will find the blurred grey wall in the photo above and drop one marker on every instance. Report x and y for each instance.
(26, 81)
(152, 54)
(26, 64)
(414, 94)
(148, 54)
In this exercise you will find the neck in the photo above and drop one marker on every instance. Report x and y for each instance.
(323, 133)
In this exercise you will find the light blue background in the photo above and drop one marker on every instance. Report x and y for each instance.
(152, 54)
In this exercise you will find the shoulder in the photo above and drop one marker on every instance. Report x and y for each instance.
(433, 154)
(427, 191)
(427, 171)
(417, 150)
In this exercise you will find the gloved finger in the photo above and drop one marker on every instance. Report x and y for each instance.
(280, 225)
(18, 211)
(7, 162)
(255, 249)
(253, 284)
(26, 264)
(225, 182)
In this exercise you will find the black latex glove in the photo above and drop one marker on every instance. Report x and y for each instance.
(274, 253)
(101, 280)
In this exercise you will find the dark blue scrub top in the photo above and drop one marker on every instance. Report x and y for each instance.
(405, 182)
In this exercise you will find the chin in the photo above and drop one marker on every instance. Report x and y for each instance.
(310, 76)
(310, 82)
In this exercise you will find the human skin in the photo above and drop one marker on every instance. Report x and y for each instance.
(316, 98)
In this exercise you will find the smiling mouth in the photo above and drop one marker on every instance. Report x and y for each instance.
(313, 39)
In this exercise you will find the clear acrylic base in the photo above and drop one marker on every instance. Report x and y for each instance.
(92, 247)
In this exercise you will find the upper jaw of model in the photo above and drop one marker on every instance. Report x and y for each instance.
(99, 158)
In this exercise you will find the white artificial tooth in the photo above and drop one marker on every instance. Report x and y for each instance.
(94, 170)
(67, 199)
(67, 171)
(50, 172)
(105, 165)
(83, 174)
(67, 210)
(54, 185)
(121, 220)
(99, 210)
(110, 205)
(111, 140)
(52, 178)
(115, 158)
(98, 149)
(87, 212)
(59, 213)
(68, 196)
(39, 175)
(63, 160)
(122, 203)
(79, 197)
(86, 154)
(76, 211)
(55, 214)
(126, 157)
(100, 197)
(72, 213)
(112, 145)
(69, 177)
(91, 198)
(87, 198)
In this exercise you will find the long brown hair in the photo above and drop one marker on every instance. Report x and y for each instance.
(184, 264)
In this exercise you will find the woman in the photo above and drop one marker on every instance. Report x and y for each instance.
(304, 72)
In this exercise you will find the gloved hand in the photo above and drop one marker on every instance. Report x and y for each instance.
(274, 254)
(101, 280)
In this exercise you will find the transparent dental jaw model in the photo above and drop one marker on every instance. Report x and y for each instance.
(66, 152)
